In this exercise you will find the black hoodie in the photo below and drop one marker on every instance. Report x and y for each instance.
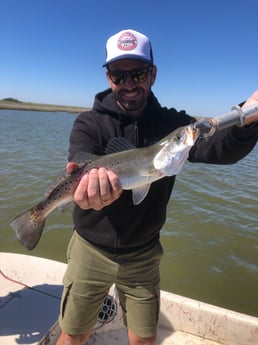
(123, 226)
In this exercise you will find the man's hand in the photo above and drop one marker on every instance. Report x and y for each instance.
(98, 188)
(251, 100)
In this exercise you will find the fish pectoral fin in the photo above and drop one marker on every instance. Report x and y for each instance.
(140, 193)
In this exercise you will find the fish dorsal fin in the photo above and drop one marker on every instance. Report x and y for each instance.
(118, 144)
(140, 193)
(55, 183)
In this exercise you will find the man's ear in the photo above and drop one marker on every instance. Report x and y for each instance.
(108, 79)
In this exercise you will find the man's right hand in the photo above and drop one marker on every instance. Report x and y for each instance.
(98, 188)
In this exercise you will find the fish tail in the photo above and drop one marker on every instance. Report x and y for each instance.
(28, 227)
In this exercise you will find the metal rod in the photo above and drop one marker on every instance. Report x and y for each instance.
(237, 116)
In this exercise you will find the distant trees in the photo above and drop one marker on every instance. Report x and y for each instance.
(10, 99)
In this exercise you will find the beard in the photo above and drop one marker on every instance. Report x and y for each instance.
(132, 102)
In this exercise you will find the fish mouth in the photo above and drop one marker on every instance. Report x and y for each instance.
(191, 135)
(195, 133)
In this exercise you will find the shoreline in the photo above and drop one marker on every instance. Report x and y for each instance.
(9, 105)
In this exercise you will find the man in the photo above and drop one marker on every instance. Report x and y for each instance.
(115, 241)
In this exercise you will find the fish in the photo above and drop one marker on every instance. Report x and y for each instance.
(137, 169)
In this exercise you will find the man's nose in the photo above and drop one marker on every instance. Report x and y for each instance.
(129, 83)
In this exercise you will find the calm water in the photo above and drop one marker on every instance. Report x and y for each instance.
(210, 238)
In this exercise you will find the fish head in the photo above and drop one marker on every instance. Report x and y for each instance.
(174, 150)
(181, 138)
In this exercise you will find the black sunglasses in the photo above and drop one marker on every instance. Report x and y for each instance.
(137, 75)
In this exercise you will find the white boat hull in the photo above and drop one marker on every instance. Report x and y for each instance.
(30, 290)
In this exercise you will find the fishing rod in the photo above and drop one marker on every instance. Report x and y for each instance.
(237, 116)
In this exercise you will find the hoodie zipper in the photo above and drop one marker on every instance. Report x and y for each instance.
(136, 141)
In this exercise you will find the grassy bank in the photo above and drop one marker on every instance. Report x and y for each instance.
(18, 105)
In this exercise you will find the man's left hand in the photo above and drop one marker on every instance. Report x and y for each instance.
(253, 99)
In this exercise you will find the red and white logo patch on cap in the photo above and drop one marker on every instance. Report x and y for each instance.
(128, 44)
(127, 41)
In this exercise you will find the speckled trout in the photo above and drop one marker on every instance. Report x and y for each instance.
(137, 168)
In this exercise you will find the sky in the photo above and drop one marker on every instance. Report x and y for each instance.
(206, 51)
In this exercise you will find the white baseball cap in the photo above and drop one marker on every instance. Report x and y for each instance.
(128, 44)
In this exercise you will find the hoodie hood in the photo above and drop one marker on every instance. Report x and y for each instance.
(105, 103)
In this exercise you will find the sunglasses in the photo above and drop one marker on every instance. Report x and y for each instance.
(137, 75)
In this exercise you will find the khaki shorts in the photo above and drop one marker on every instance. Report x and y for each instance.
(90, 274)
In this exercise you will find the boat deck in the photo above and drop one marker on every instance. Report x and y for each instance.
(30, 290)
(119, 337)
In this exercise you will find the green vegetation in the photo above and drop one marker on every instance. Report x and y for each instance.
(14, 104)
(10, 99)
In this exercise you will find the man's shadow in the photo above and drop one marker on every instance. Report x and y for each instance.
(27, 314)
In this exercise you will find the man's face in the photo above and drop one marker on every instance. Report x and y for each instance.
(131, 81)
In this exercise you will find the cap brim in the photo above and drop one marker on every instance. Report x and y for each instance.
(128, 56)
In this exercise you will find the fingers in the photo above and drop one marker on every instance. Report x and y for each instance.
(80, 195)
(253, 99)
(115, 183)
(71, 167)
(97, 188)
(105, 192)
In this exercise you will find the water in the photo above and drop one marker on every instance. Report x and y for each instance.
(210, 238)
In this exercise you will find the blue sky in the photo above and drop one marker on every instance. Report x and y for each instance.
(206, 51)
